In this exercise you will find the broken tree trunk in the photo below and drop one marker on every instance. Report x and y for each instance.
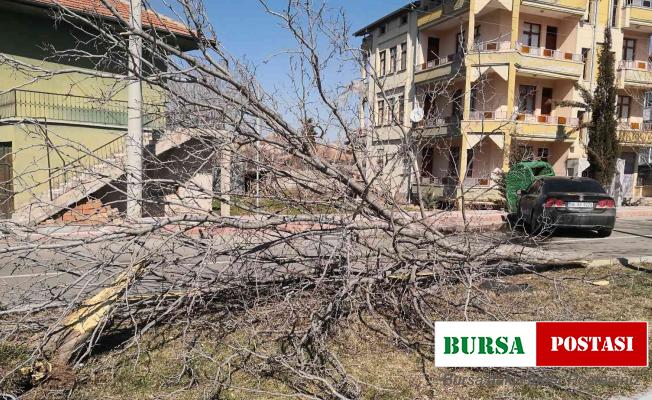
(80, 324)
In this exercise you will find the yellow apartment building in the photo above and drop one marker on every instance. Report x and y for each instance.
(488, 77)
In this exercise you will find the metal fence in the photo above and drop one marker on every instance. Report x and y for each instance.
(62, 107)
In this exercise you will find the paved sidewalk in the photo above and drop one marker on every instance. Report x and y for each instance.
(447, 221)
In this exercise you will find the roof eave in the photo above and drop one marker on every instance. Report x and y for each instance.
(367, 29)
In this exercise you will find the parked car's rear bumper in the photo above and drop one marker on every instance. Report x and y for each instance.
(594, 219)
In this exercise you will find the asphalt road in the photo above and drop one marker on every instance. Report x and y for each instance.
(631, 239)
(39, 273)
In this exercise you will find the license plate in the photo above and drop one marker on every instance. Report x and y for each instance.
(580, 204)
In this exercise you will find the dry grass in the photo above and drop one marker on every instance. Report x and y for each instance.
(385, 369)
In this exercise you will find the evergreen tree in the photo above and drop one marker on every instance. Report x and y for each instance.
(603, 150)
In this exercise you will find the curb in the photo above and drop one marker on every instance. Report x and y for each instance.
(621, 261)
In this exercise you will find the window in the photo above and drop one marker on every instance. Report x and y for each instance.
(527, 96)
(586, 73)
(383, 29)
(614, 13)
(543, 153)
(393, 62)
(401, 109)
(531, 34)
(629, 49)
(383, 63)
(624, 103)
(647, 101)
(403, 56)
(381, 113)
(404, 20)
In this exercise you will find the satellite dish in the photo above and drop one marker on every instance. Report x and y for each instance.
(417, 115)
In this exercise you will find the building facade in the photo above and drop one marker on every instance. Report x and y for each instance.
(490, 77)
(60, 121)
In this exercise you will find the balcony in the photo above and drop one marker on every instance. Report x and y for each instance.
(547, 126)
(62, 108)
(573, 7)
(453, 181)
(537, 61)
(635, 133)
(438, 10)
(446, 126)
(635, 73)
(438, 68)
(637, 14)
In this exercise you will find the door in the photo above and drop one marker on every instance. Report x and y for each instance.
(433, 49)
(546, 101)
(551, 37)
(627, 190)
(6, 181)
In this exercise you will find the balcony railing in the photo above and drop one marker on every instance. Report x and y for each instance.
(453, 180)
(547, 119)
(491, 46)
(433, 122)
(548, 53)
(636, 64)
(25, 104)
(639, 3)
(487, 115)
(635, 125)
(450, 59)
(526, 118)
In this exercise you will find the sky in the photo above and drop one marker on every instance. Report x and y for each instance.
(247, 32)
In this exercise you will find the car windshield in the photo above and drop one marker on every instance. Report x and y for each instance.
(573, 186)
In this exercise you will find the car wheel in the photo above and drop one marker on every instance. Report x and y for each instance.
(604, 232)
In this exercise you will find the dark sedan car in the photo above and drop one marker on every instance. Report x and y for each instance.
(555, 202)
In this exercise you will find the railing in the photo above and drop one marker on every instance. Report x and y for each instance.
(446, 5)
(636, 64)
(62, 107)
(635, 125)
(450, 59)
(487, 115)
(547, 53)
(491, 46)
(477, 182)
(107, 154)
(432, 122)
(453, 180)
(547, 119)
(639, 3)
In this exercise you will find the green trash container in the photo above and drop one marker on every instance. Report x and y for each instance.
(521, 176)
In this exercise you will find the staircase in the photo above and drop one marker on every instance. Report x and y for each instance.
(80, 178)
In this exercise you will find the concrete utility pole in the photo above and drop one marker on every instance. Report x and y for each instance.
(134, 142)
(225, 180)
